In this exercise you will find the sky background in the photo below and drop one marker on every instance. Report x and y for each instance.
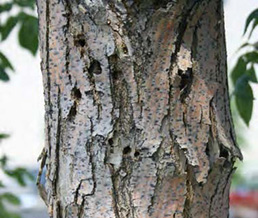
(22, 103)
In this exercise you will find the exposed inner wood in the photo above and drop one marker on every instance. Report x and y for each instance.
(138, 123)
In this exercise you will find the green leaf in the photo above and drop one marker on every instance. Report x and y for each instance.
(11, 198)
(244, 45)
(4, 62)
(5, 7)
(255, 45)
(25, 3)
(1, 184)
(251, 74)
(28, 34)
(244, 99)
(247, 44)
(238, 70)
(4, 136)
(3, 75)
(6, 29)
(14, 215)
(251, 17)
(255, 24)
(3, 161)
(6, 214)
(251, 57)
(20, 175)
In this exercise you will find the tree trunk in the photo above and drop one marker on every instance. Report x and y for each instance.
(138, 123)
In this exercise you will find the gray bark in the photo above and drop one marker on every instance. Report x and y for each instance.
(138, 123)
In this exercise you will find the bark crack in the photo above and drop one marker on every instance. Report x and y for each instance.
(58, 143)
(94, 68)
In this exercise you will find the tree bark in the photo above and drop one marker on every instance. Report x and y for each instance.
(138, 123)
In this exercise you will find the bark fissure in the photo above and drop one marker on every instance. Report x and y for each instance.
(57, 146)
(95, 69)
(67, 52)
(157, 157)
(48, 86)
(89, 149)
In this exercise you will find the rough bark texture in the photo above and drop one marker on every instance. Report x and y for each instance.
(138, 122)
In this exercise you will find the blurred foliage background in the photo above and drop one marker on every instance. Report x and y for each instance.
(244, 72)
(242, 76)
(28, 39)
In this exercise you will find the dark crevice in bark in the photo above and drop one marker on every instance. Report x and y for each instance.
(127, 150)
(94, 68)
(58, 213)
(223, 152)
(151, 4)
(48, 114)
(76, 93)
(137, 154)
(110, 142)
(67, 51)
(124, 48)
(156, 157)
(112, 96)
(58, 144)
(207, 151)
(89, 150)
(185, 83)
(73, 111)
(194, 46)
(79, 40)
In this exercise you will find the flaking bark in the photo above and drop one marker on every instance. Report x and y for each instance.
(138, 123)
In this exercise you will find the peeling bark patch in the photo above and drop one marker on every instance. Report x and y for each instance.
(191, 127)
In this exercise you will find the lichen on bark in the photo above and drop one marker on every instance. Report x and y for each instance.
(138, 123)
